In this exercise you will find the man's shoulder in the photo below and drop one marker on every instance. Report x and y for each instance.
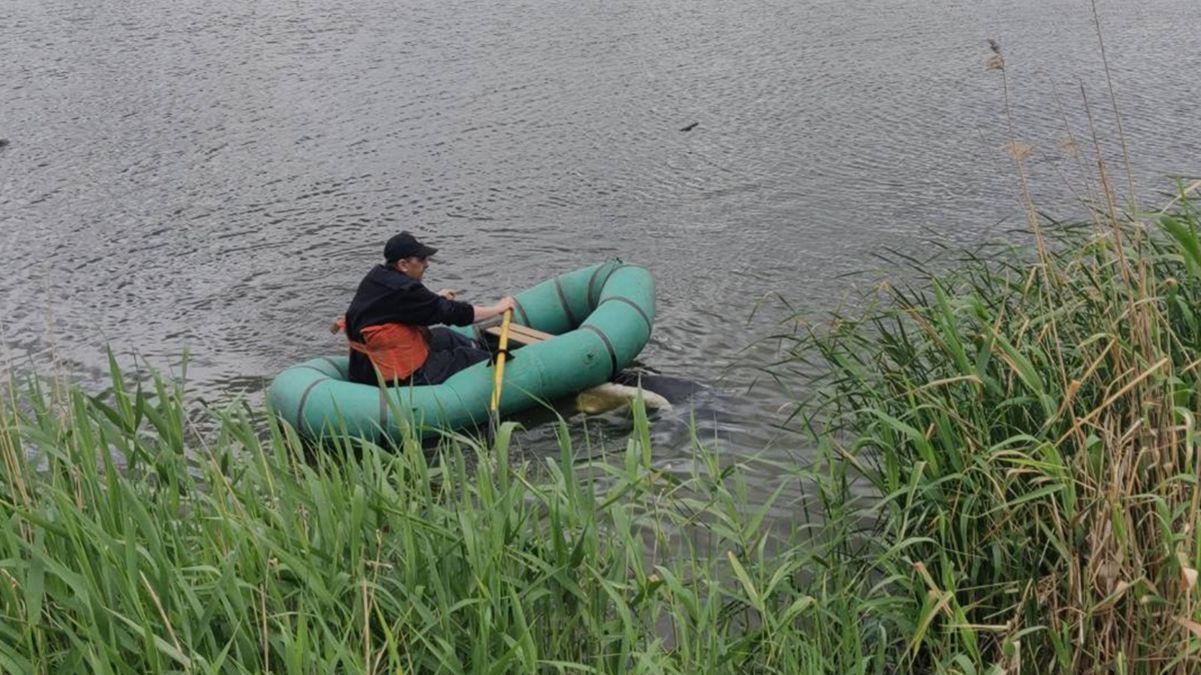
(391, 279)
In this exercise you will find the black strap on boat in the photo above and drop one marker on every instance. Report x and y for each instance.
(591, 281)
(304, 398)
(631, 303)
(335, 366)
(608, 347)
(566, 307)
(525, 320)
(509, 356)
(612, 267)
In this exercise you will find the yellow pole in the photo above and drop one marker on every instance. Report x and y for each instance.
(500, 359)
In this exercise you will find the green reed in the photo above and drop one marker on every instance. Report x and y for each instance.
(134, 543)
(1028, 425)
(1007, 481)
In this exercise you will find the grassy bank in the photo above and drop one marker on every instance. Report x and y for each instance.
(238, 554)
(1026, 424)
(1029, 423)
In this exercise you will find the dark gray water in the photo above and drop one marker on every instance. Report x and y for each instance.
(216, 176)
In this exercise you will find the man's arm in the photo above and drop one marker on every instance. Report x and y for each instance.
(426, 308)
(485, 312)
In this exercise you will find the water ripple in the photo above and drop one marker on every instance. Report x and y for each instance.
(217, 177)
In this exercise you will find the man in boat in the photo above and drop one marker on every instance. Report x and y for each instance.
(392, 322)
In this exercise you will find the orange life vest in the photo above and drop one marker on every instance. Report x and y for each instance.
(396, 350)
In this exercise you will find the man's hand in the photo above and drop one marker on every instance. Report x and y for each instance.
(487, 312)
(448, 293)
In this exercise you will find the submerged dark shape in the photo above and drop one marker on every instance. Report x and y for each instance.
(690, 127)
(675, 389)
(3, 143)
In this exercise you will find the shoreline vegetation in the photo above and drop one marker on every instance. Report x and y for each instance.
(1026, 423)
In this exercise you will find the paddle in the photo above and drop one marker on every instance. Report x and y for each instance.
(501, 352)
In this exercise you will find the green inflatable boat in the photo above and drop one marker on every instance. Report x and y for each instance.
(600, 318)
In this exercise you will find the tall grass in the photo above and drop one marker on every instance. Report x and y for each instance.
(1026, 423)
(1029, 426)
(129, 545)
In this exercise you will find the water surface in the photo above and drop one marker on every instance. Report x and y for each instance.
(217, 176)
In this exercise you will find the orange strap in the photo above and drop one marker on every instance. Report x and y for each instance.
(396, 350)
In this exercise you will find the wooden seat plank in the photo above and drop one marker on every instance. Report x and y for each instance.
(522, 334)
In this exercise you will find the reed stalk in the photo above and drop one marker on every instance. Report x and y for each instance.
(130, 546)
(1033, 449)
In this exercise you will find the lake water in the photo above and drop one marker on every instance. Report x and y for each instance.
(217, 176)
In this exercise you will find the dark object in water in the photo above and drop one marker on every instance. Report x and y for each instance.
(690, 127)
(676, 390)
(3, 143)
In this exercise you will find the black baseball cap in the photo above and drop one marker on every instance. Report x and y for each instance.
(405, 245)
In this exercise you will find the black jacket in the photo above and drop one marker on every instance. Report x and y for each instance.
(388, 296)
